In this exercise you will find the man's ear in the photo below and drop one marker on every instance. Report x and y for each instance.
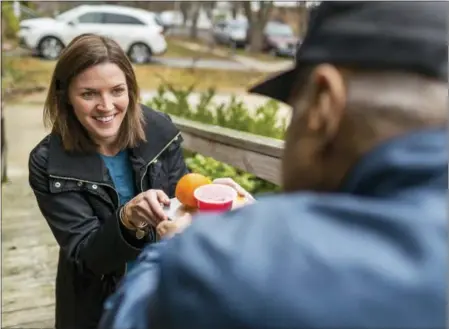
(327, 100)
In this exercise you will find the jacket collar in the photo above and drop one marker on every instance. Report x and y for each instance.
(418, 159)
(159, 131)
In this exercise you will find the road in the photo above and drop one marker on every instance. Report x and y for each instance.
(214, 64)
(204, 35)
(187, 63)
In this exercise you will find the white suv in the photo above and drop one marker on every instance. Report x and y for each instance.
(137, 31)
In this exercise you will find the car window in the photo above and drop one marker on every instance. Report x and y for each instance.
(277, 29)
(158, 20)
(68, 14)
(121, 19)
(238, 25)
(91, 18)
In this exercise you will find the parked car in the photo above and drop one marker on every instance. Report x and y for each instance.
(139, 32)
(280, 40)
(231, 33)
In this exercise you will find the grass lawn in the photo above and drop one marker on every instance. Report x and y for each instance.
(174, 50)
(265, 57)
(30, 72)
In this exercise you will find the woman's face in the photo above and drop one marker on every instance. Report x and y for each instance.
(99, 97)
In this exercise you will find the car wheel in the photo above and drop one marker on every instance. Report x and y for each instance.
(50, 48)
(139, 53)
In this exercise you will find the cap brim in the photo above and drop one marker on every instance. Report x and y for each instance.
(278, 87)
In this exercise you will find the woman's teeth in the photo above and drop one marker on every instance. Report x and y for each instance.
(105, 119)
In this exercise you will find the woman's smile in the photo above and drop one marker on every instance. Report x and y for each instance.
(104, 120)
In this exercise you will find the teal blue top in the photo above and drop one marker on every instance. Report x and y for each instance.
(121, 172)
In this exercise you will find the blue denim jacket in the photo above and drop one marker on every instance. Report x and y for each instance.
(373, 255)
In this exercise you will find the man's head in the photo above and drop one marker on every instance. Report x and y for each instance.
(366, 72)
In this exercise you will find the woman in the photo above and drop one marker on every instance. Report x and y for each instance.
(102, 175)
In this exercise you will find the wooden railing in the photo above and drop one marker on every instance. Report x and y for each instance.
(255, 154)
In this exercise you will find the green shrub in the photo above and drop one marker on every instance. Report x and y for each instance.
(233, 115)
(10, 23)
(215, 169)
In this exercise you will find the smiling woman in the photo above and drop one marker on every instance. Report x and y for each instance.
(99, 98)
(102, 174)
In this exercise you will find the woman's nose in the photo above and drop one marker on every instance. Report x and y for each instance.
(106, 104)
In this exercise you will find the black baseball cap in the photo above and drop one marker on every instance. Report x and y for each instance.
(398, 35)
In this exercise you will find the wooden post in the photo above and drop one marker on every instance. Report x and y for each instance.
(2, 127)
(3, 147)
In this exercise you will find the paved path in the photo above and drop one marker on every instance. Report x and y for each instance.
(214, 64)
(29, 251)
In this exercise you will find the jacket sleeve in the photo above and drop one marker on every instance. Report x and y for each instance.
(128, 307)
(102, 246)
(176, 165)
(292, 262)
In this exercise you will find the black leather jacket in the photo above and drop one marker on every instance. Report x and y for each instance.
(76, 196)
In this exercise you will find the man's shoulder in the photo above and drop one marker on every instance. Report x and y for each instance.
(305, 252)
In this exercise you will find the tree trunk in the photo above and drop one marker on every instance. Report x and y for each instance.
(234, 9)
(303, 14)
(194, 14)
(256, 24)
(256, 37)
(184, 8)
(209, 8)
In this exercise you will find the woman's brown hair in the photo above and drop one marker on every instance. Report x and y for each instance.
(82, 53)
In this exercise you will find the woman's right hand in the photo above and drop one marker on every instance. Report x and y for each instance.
(145, 209)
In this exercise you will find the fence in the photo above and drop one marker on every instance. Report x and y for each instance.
(255, 154)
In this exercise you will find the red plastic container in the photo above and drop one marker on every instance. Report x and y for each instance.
(215, 197)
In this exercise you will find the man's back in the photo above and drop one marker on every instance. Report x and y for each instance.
(371, 256)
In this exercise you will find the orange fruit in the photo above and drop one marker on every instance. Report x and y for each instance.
(187, 185)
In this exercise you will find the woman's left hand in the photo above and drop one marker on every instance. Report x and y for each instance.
(168, 228)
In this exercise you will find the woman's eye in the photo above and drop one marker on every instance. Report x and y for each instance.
(118, 92)
(88, 94)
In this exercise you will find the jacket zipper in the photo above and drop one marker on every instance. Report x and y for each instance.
(146, 170)
(155, 158)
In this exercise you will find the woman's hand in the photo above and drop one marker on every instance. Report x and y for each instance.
(146, 209)
(168, 228)
(240, 190)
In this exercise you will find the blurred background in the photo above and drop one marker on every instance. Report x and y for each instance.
(193, 60)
